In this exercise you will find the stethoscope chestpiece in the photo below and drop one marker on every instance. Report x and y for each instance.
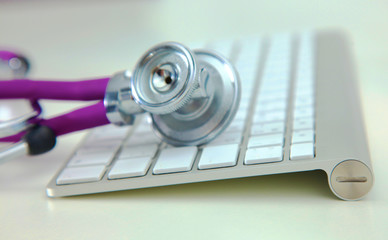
(191, 96)
(164, 78)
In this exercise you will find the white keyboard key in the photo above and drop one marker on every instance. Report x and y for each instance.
(266, 140)
(271, 106)
(236, 125)
(302, 151)
(142, 139)
(138, 151)
(272, 87)
(241, 114)
(248, 56)
(272, 96)
(90, 148)
(304, 90)
(303, 123)
(235, 128)
(91, 144)
(305, 80)
(244, 104)
(248, 76)
(101, 137)
(219, 156)
(250, 46)
(274, 116)
(227, 138)
(173, 160)
(247, 97)
(267, 128)
(107, 133)
(304, 100)
(111, 130)
(264, 155)
(303, 136)
(133, 167)
(95, 157)
(276, 72)
(81, 174)
(143, 128)
(303, 112)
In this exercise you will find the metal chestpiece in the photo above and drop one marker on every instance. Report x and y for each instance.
(191, 96)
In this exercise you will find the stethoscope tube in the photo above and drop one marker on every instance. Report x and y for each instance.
(191, 96)
(80, 119)
(83, 90)
(84, 118)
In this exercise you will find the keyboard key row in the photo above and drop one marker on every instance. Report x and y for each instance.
(173, 160)
(81, 174)
(130, 167)
(219, 156)
(142, 154)
(267, 134)
(264, 155)
(303, 135)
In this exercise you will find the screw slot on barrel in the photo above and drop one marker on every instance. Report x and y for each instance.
(351, 179)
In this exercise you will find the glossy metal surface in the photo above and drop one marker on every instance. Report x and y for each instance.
(15, 150)
(119, 104)
(351, 180)
(14, 126)
(164, 78)
(210, 109)
(192, 96)
(14, 68)
(19, 66)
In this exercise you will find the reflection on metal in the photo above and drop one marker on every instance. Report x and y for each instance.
(351, 180)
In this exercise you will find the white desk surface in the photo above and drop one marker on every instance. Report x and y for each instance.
(79, 39)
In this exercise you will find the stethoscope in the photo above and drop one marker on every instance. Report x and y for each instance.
(191, 96)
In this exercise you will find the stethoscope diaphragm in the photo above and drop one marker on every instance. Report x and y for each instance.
(191, 96)
(164, 78)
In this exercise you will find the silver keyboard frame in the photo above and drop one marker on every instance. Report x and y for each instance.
(340, 135)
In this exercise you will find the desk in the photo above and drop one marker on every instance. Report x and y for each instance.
(80, 39)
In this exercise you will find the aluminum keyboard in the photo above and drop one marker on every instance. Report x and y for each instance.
(274, 130)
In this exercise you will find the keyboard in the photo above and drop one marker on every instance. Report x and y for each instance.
(299, 111)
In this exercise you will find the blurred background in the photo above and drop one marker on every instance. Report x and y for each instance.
(107, 36)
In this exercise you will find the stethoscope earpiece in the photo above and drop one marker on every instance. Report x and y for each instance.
(13, 65)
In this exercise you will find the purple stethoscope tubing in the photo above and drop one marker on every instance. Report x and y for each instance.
(7, 55)
(84, 118)
(84, 90)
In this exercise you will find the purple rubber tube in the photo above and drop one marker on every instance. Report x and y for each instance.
(57, 90)
(80, 119)
(7, 55)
